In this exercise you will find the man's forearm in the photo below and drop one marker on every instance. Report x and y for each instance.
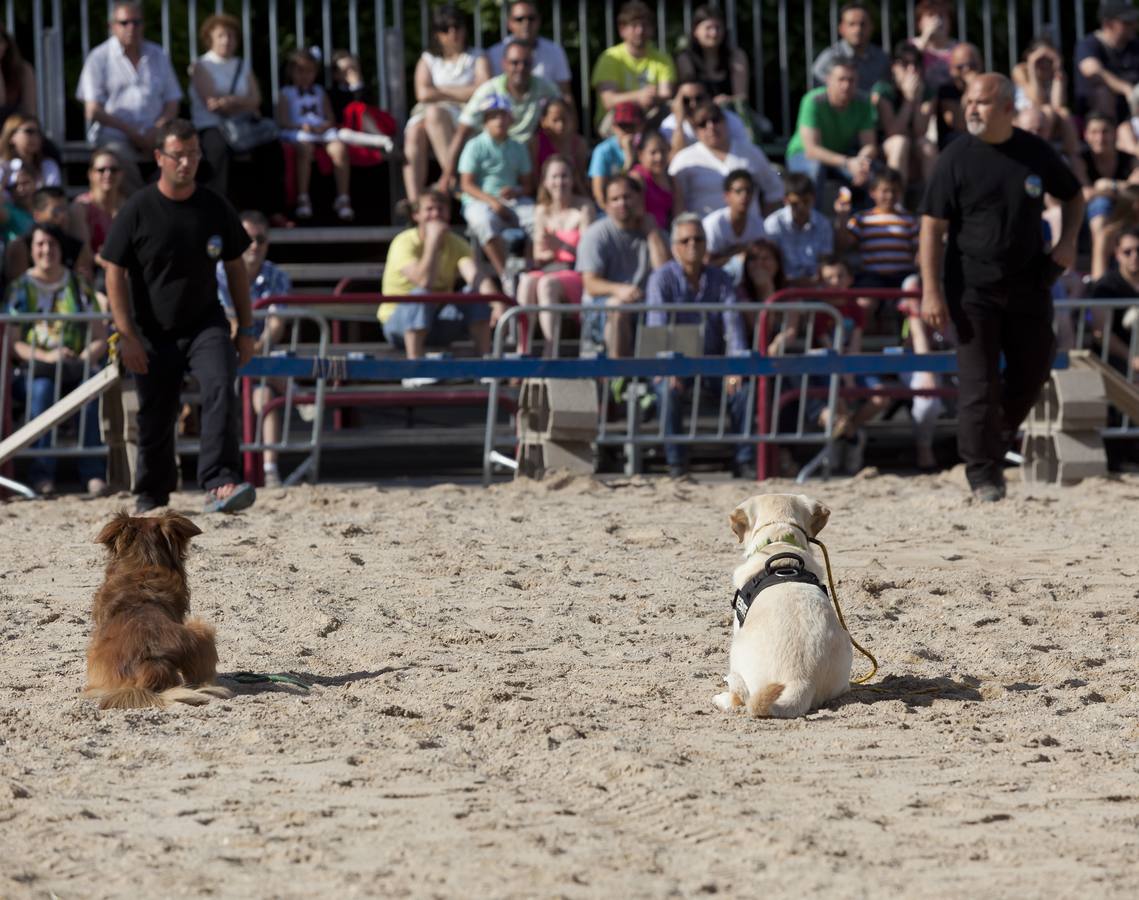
(1073, 217)
(238, 283)
(931, 251)
(119, 299)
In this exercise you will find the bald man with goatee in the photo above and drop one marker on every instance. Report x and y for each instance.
(985, 266)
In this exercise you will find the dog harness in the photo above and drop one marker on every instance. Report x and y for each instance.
(770, 577)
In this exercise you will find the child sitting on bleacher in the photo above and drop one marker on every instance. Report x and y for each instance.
(884, 236)
(305, 115)
(495, 175)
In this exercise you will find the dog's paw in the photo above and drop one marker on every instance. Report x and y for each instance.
(737, 686)
(726, 701)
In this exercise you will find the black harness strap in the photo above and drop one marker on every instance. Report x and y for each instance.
(769, 577)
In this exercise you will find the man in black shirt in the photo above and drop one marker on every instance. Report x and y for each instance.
(986, 196)
(165, 244)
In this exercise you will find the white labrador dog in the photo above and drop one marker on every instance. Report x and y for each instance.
(791, 653)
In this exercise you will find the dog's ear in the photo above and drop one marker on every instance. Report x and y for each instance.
(740, 522)
(819, 515)
(111, 531)
(178, 529)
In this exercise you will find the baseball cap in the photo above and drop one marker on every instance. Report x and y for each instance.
(627, 113)
(497, 103)
(1124, 10)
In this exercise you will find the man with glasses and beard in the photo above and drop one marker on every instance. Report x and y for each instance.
(981, 218)
(160, 258)
(550, 60)
(129, 91)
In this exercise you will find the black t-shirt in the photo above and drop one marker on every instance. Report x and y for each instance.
(1114, 286)
(1124, 163)
(993, 197)
(171, 248)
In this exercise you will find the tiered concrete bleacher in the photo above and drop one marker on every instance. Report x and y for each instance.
(1062, 442)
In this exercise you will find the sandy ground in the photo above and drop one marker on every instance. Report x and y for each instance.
(511, 697)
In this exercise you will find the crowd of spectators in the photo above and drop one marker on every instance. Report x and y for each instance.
(675, 202)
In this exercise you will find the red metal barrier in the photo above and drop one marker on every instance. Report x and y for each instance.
(765, 457)
(380, 397)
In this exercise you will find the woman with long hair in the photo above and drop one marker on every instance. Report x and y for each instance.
(445, 77)
(22, 147)
(559, 220)
(763, 275)
(709, 59)
(17, 80)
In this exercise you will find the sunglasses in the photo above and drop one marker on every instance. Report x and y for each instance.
(695, 239)
(1130, 251)
(708, 122)
(103, 170)
(126, 23)
(695, 100)
(523, 19)
(519, 63)
(182, 157)
(259, 239)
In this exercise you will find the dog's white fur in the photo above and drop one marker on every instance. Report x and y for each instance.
(792, 654)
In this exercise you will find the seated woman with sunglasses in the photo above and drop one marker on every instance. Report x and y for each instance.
(97, 206)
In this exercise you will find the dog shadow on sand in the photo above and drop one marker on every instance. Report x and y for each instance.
(912, 690)
(246, 683)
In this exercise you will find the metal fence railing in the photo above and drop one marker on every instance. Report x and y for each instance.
(780, 39)
(322, 372)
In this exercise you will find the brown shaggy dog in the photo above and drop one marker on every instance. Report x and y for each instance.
(143, 651)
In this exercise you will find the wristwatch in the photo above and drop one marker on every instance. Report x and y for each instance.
(247, 331)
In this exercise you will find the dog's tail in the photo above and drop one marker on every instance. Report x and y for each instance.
(782, 701)
(143, 698)
(759, 703)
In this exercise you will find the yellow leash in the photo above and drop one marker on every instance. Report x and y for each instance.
(841, 620)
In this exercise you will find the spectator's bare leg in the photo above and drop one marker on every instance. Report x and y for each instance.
(440, 128)
(495, 250)
(527, 295)
(897, 151)
(550, 293)
(415, 342)
(618, 334)
(480, 335)
(415, 169)
(341, 168)
(271, 424)
(304, 169)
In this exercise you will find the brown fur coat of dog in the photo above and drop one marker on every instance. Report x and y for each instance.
(144, 652)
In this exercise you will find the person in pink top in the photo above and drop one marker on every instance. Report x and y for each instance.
(560, 218)
(557, 134)
(663, 197)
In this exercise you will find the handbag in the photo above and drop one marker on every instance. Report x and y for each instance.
(247, 131)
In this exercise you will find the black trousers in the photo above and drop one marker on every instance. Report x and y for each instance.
(211, 358)
(1015, 321)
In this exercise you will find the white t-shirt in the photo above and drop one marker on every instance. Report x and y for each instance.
(457, 72)
(720, 234)
(550, 61)
(220, 73)
(701, 175)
